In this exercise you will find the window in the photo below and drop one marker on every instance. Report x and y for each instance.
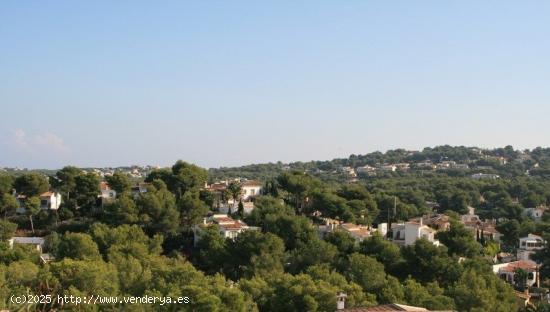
(44, 203)
(252, 191)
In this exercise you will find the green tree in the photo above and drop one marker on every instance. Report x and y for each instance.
(427, 263)
(77, 246)
(8, 204)
(312, 252)
(294, 230)
(285, 292)
(510, 232)
(342, 240)
(7, 230)
(85, 277)
(192, 210)
(125, 237)
(361, 202)
(122, 211)
(6, 183)
(158, 209)
(430, 297)
(267, 205)
(543, 256)
(235, 190)
(367, 272)
(356, 297)
(460, 241)
(119, 182)
(212, 250)
(476, 291)
(254, 252)
(31, 184)
(186, 177)
(65, 181)
(32, 207)
(332, 206)
(383, 251)
(86, 189)
(298, 186)
(520, 278)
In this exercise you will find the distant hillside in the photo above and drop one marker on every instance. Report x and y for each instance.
(505, 161)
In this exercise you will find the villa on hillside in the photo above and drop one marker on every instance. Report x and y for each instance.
(229, 228)
(48, 201)
(508, 271)
(485, 230)
(406, 234)
(224, 202)
(529, 245)
(358, 232)
(107, 193)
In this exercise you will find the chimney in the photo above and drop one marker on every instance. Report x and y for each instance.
(341, 301)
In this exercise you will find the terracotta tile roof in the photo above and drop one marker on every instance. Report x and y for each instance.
(104, 186)
(354, 229)
(489, 229)
(251, 183)
(222, 220)
(233, 226)
(521, 264)
(228, 223)
(46, 194)
(217, 186)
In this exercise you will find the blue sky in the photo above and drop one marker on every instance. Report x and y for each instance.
(220, 83)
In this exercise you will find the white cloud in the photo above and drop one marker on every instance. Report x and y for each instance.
(41, 142)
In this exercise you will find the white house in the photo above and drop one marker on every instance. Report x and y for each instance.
(107, 193)
(359, 232)
(485, 176)
(365, 170)
(227, 209)
(349, 171)
(36, 242)
(229, 228)
(428, 165)
(528, 246)
(507, 271)
(403, 166)
(408, 233)
(48, 201)
(140, 188)
(387, 168)
(250, 188)
(446, 164)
